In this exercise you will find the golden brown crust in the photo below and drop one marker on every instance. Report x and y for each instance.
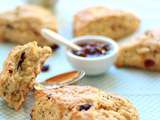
(19, 72)
(143, 53)
(104, 21)
(81, 103)
(23, 24)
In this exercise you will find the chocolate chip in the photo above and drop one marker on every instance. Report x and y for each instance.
(149, 63)
(21, 60)
(54, 47)
(85, 107)
(45, 68)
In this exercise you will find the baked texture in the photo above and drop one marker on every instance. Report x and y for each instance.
(99, 20)
(19, 72)
(23, 24)
(142, 53)
(81, 103)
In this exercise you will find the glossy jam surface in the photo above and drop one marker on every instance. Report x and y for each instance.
(93, 49)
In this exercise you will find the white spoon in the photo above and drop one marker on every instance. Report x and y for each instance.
(58, 39)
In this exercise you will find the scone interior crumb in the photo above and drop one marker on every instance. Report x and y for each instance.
(19, 72)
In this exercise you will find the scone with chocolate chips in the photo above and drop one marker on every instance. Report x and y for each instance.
(143, 53)
(81, 103)
(23, 24)
(115, 24)
(19, 72)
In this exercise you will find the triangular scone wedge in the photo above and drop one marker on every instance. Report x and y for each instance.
(144, 53)
(81, 103)
(100, 20)
(24, 23)
(20, 71)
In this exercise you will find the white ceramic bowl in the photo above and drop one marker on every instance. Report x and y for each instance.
(96, 65)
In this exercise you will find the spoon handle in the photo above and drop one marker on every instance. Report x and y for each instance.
(56, 38)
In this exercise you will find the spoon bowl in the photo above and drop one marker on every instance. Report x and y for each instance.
(61, 80)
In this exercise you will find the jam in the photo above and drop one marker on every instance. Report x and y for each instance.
(85, 107)
(93, 49)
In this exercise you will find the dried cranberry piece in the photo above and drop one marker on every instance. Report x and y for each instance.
(49, 96)
(149, 63)
(82, 44)
(86, 49)
(85, 107)
(106, 47)
(92, 49)
(54, 47)
(89, 50)
(99, 50)
(21, 60)
(45, 68)
(10, 71)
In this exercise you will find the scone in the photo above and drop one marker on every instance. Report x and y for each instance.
(19, 72)
(81, 103)
(143, 53)
(23, 24)
(115, 24)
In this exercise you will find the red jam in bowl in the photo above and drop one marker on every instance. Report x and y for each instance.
(93, 49)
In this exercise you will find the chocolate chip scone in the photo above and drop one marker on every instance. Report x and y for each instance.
(116, 24)
(23, 24)
(81, 103)
(19, 72)
(143, 53)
